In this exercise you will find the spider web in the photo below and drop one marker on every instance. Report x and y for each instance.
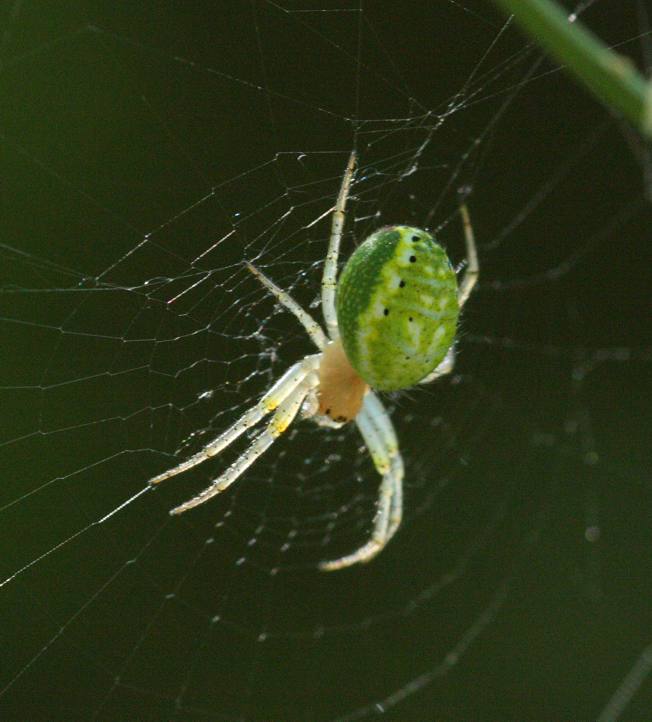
(148, 151)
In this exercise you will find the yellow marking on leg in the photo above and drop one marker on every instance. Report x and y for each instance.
(271, 403)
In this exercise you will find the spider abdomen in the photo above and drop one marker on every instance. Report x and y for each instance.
(397, 307)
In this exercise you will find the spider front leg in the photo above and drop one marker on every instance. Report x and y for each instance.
(284, 387)
(383, 423)
(379, 436)
(329, 279)
(279, 423)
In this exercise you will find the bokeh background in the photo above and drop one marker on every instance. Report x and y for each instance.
(147, 150)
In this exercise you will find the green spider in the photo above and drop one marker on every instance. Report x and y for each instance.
(390, 324)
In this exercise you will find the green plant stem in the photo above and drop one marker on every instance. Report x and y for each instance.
(611, 77)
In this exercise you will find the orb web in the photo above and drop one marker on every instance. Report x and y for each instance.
(148, 154)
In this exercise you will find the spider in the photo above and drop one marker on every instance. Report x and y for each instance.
(390, 324)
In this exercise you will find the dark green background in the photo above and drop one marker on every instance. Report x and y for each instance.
(108, 132)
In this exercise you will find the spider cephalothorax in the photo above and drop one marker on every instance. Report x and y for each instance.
(341, 389)
(390, 322)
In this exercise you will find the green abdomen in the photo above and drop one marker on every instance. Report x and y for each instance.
(397, 307)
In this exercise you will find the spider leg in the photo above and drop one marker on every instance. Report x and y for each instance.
(445, 367)
(279, 422)
(472, 272)
(469, 280)
(388, 437)
(279, 392)
(379, 436)
(308, 322)
(329, 279)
